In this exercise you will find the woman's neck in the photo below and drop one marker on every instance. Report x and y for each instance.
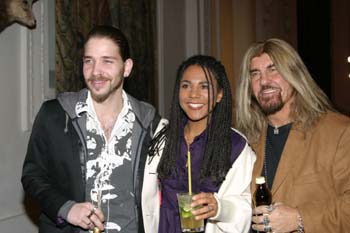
(192, 130)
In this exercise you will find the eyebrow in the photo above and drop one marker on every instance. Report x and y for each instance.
(188, 81)
(103, 57)
(271, 65)
(110, 57)
(253, 70)
(268, 67)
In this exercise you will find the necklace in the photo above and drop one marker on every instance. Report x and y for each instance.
(265, 158)
(268, 151)
(276, 129)
(274, 144)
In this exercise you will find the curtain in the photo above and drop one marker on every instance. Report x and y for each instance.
(136, 18)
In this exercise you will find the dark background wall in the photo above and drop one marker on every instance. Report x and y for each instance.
(314, 44)
(319, 30)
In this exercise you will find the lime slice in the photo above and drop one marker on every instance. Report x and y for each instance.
(186, 212)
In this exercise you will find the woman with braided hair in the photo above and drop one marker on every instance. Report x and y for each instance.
(221, 160)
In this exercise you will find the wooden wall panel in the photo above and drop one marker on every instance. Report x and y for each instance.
(277, 18)
(232, 31)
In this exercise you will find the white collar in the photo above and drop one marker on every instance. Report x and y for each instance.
(88, 106)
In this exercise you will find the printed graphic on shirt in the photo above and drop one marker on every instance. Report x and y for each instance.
(106, 163)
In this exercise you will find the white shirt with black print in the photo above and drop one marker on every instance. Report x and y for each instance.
(109, 177)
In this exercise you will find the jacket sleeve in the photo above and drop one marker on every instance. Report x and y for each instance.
(333, 214)
(38, 178)
(234, 197)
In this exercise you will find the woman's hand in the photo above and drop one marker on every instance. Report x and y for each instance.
(208, 205)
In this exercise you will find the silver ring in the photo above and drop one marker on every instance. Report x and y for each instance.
(267, 228)
(270, 208)
(266, 220)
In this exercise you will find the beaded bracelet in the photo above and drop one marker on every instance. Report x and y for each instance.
(300, 227)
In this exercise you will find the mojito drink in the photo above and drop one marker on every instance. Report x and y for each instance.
(188, 222)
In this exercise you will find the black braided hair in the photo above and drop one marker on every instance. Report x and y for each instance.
(217, 153)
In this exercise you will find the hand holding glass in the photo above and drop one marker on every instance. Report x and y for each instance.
(188, 221)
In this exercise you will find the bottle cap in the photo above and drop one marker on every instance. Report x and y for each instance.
(260, 180)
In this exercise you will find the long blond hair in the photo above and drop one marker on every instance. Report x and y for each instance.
(310, 101)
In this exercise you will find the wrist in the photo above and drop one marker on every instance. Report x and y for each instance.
(300, 224)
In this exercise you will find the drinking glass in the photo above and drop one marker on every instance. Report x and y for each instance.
(188, 221)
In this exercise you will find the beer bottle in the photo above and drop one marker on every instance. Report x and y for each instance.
(262, 194)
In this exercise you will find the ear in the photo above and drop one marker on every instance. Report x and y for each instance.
(219, 95)
(128, 64)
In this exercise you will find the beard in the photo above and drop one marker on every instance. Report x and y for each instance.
(269, 108)
(100, 97)
(271, 104)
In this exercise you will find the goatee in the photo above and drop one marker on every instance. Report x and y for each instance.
(270, 106)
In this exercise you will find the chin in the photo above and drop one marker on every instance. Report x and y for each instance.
(99, 97)
(272, 108)
(197, 119)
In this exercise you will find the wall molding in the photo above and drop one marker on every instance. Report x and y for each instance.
(34, 84)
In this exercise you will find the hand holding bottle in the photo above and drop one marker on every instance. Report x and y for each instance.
(262, 199)
(262, 194)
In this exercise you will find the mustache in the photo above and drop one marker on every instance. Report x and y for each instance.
(98, 78)
(263, 88)
(266, 87)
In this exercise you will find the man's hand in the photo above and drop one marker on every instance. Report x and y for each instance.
(86, 216)
(280, 218)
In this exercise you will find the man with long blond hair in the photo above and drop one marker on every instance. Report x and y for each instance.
(302, 143)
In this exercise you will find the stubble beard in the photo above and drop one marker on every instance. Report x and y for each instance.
(99, 98)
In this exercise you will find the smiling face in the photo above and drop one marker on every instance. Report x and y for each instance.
(194, 94)
(104, 69)
(273, 93)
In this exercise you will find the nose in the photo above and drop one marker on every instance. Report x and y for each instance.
(194, 92)
(264, 78)
(96, 69)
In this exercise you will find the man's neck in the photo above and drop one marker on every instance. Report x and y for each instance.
(279, 118)
(107, 112)
(282, 117)
(111, 106)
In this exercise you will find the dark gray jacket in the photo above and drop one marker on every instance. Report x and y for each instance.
(54, 167)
